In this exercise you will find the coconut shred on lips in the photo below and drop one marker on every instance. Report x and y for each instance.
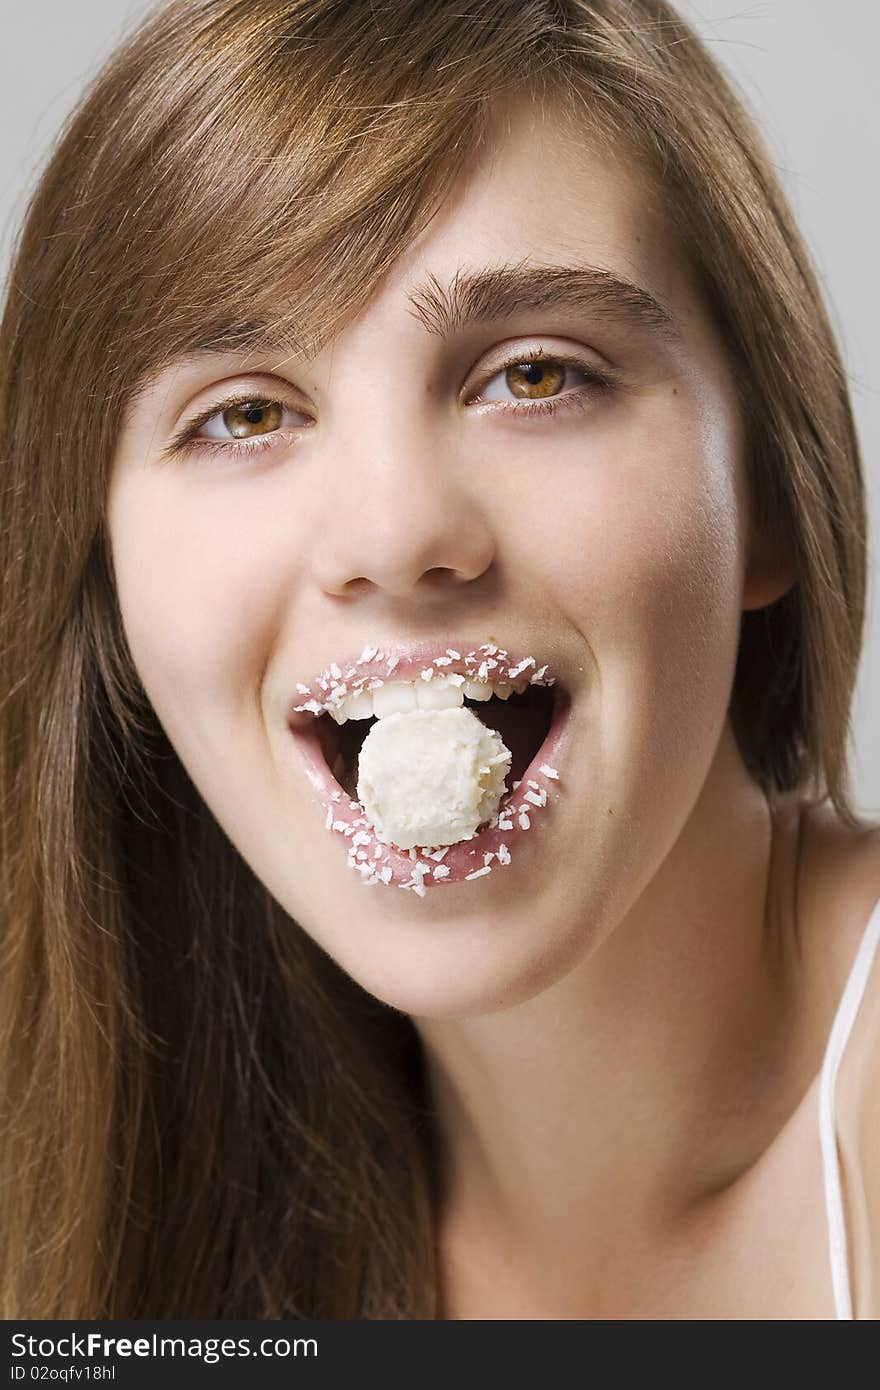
(430, 774)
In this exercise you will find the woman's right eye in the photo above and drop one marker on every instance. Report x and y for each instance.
(242, 425)
(246, 419)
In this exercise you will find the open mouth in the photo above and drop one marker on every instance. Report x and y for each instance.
(522, 720)
(529, 711)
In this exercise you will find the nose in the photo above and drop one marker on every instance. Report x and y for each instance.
(399, 516)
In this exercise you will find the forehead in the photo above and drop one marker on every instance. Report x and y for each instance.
(545, 193)
(547, 188)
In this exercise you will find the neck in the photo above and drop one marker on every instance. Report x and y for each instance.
(636, 1086)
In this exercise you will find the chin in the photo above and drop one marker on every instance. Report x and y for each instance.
(461, 964)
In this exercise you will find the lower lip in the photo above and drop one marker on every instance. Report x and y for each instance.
(473, 861)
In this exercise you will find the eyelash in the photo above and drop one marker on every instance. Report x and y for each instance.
(598, 382)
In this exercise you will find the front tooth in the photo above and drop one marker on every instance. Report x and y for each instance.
(439, 694)
(503, 690)
(478, 690)
(394, 697)
(360, 706)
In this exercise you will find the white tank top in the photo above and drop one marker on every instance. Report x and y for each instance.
(847, 1010)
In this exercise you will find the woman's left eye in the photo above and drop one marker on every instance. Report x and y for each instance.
(535, 382)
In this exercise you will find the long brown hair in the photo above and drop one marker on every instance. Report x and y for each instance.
(201, 1115)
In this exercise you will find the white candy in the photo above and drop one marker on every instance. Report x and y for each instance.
(431, 777)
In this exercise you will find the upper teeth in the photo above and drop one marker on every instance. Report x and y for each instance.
(400, 697)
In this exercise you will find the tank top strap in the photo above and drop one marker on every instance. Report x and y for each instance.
(844, 1019)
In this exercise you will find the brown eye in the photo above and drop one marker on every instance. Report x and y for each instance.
(248, 418)
(239, 426)
(534, 380)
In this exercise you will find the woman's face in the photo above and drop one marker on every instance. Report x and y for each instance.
(410, 495)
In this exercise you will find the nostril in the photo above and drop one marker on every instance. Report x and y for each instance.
(440, 574)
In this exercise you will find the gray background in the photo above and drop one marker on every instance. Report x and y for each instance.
(806, 69)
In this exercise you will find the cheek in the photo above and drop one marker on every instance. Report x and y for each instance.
(197, 601)
(657, 585)
(639, 522)
(640, 547)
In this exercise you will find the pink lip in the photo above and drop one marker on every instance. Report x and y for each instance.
(491, 849)
(355, 673)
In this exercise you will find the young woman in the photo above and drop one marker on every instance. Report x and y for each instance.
(351, 341)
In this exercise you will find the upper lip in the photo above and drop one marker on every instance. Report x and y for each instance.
(355, 671)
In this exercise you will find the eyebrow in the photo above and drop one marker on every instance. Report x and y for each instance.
(474, 297)
(471, 297)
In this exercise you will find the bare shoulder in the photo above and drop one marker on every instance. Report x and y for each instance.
(839, 887)
(842, 868)
(848, 852)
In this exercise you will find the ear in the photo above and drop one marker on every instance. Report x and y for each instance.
(771, 569)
